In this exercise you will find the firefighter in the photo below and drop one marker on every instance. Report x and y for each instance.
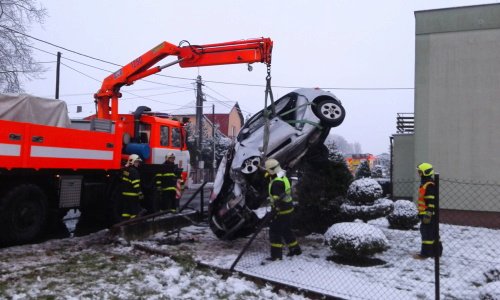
(131, 188)
(167, 182)
(426, 212)
(282, 205)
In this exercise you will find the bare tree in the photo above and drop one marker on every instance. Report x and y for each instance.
(16, 59)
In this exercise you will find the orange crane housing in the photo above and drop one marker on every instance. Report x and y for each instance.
(47, 170)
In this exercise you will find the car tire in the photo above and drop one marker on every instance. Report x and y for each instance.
(330, 112)
(24, 214)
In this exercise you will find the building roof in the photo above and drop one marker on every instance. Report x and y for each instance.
(220, 107)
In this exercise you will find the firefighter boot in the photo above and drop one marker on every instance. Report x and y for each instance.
(276, 253)
(294, 251)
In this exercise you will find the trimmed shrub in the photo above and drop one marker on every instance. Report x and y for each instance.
(380, 208)
(354, 240)
(404, 215)
(364, 191)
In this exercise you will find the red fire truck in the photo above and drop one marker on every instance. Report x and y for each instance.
(49, 165)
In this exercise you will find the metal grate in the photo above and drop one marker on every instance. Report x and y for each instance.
(70, 191)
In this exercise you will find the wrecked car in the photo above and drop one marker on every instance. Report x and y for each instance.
(301, 121)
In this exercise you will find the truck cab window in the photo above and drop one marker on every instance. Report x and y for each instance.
(176, 137)
(164, 135)
(144, 133)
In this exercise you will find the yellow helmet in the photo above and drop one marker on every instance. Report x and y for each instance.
(425, 169)
(272, 166)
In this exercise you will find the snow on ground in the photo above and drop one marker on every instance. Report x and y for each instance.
(98, 267)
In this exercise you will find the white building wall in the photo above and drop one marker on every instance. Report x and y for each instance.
(403, 170)
(457, 99)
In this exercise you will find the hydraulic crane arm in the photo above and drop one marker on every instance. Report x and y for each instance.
(236, 52)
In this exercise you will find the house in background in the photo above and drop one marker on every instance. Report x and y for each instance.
(354, 160)
(457, 113)
(226, 117)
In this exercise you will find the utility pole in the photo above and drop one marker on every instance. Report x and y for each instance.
(58, 70)
(214, 162)
(199, 116)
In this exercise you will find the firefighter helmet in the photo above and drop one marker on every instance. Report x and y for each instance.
(169, 155)
(272, 166)
(425, 169)
(133, 158)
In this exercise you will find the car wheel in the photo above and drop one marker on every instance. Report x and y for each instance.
(330, 112)
(25, 214)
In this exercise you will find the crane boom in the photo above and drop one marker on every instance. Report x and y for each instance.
(235, 52)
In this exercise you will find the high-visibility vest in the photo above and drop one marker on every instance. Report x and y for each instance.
(425, 202)
(286, 205)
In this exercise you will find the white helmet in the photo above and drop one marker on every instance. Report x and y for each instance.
(133, 158)
(272, 166)
(169, 155)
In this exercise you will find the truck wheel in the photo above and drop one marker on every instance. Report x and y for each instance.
(24, 215)
(330, 112)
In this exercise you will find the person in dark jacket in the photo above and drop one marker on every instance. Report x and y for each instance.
(131, 188)
(166, 183)
(280, 228)
(426, 212)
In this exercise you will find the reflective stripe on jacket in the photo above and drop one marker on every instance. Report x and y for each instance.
(131, 182)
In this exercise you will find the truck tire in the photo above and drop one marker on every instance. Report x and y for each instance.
(24, 214)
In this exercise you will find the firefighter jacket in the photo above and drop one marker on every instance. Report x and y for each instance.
(280, 195)
(426, 198)
(166, 179)
(131, 182)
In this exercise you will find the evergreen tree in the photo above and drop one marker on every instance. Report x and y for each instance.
(363, 170)
(323, 179)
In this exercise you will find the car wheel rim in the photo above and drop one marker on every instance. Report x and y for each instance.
(331, 111)
(250, 165)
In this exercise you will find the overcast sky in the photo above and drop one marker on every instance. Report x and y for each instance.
(362, 51)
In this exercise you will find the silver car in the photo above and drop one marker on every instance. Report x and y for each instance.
(302, 120)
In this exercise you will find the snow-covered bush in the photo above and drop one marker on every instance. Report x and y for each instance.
(380, 208)
(363, 170)
(364, 191)
(353, 240)
(404, 215)
(490, 291)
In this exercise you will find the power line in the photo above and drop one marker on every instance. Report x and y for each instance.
(213, 81)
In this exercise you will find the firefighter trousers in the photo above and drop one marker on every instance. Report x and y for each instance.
(429, 238)
(280, 230)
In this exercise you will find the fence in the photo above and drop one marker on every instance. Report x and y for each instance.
(202, 175)
(468, 269)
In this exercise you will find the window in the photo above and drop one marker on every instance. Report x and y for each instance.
(176, 137)
(144, 133)
(164, 135)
